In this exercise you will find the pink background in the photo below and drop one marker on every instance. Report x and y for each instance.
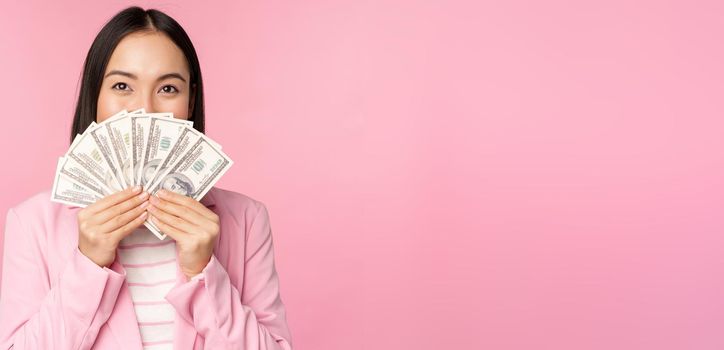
(443, 174)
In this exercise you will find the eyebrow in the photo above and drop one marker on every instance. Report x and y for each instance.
(133, 76)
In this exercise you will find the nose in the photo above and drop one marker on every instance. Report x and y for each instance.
(144, 100)
(148, 102)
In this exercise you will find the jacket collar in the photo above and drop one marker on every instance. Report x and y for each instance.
(208, 199)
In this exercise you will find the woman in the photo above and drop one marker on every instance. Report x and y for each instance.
(95, 277)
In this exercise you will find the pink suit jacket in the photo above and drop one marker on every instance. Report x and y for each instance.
(54, 297)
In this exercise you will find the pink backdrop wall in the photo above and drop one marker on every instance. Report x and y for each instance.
(443, 174)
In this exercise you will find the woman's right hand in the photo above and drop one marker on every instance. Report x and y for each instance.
(103, 224)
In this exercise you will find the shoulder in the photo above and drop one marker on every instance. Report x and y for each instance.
(236, 204)
(36, 205)
(233, 200)
(238, 213)
(37, 218)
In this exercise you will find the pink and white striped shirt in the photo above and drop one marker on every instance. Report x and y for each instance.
(150, 265)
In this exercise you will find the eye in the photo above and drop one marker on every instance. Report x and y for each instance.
(169, 89)
(120, 86)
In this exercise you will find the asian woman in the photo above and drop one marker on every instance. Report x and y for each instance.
(95, 277)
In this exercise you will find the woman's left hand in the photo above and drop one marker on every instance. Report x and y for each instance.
(194, 227)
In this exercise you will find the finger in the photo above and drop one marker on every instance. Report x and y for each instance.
(124, 218)
(178, 210)
(113, 199)
(187, 202)
(172, 220)
(117, 210)
(175, 233)
(126, 229)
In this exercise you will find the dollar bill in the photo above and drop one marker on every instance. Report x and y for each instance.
(163, 131)
(67, 191)
(193, 174)
(104, 148)
(186, 139)
(119, 133)
(139, 136)
(84, 164)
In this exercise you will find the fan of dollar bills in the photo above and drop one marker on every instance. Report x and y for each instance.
(152, 150)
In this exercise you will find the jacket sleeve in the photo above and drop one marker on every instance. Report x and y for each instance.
(254, 319)
(35, 314)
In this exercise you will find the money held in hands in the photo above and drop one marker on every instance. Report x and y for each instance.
(152, 150)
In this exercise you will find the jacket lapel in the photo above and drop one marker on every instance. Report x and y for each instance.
(184, 332)
(123, 322)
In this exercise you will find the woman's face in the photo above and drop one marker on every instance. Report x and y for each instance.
(146, 70)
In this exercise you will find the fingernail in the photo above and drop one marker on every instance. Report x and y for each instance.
(144, 214)
(143, 195)
(136, 188)
(144, 205)
(154, 199)
(161, 193)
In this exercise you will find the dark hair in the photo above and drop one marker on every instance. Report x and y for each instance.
(131, 20)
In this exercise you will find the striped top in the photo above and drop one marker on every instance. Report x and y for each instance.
(150, 273)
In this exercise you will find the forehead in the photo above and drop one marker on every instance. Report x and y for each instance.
(148, 55)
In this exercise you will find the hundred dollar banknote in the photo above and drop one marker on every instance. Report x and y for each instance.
(193, 174)
(67, 191)
(163, 132)
(85, 164)
(119, 132)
